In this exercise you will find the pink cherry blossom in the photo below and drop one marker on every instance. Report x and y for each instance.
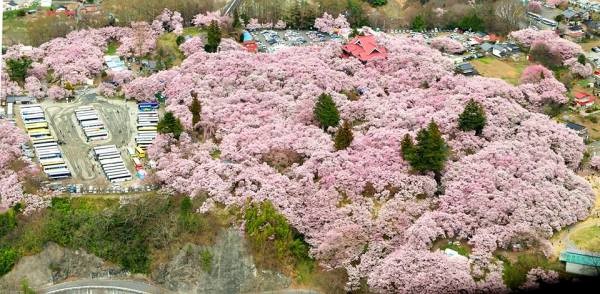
(191, 46)
(448, 45)
(581, 70)
(534, 6)
(280, 25)
(327, 24)
(201, 20)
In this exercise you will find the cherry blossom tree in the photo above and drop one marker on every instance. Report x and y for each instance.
(191, 46)
(11, 189)
(556, 3)
(327, 24)
(253, 24)
(595, 163)
(448, 45)
(535, 73)
(534, 6)
(578, 69)
(168, 21)
(280, 25)
(58, 93)
(34, 87)
(361, 208)
(203, 20)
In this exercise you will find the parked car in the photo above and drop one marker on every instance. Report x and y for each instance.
(596, 49)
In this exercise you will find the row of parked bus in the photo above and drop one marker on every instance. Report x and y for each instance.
(90, 122)
(147, 123)
(44, 143)
(112, 163)
(539, 18)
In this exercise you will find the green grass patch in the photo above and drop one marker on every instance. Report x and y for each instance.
(486, 60)
(192, 31)
(215, 154)
(462, 250)
(587, 238)
(111, 48)
(515, 273)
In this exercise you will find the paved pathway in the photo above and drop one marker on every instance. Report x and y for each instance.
(103, 286)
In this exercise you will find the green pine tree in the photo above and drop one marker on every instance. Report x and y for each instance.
(326, 112)
(407, 147)
(429, 154)
(343, 137)
(418, 23)
(195, 109)
(17, 69)
(472, 118)
(581, 59)
(169, 124)
(213, 37)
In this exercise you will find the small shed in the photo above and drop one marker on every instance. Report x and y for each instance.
(466, 69)
(579, 129)
(499, 50)
(486, 47)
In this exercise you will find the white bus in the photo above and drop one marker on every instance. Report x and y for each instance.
(111, 160)
(84, 116)
(42, 145)
(49, 162)
(54, 167)
(27, 118)
(49, 155)
(59, 174)
(31, 111)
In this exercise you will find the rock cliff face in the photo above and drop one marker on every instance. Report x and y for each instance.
(55, 264)
(225, 267)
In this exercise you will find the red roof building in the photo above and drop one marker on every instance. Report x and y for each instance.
(584, 99)
(251, 46)
(364, 48)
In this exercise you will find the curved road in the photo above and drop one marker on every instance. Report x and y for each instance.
(103, 286)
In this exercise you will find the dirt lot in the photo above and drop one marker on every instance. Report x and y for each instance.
(118, 117)
(506, 69)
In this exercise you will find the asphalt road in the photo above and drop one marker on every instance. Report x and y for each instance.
(103, 286)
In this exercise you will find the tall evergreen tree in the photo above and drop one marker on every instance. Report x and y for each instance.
(407, 147)
(195, 109)
(169, 124)
(472, 118)
(343, 137)
(213, 37)
(17, 69)
(429, 154)
(326, 111)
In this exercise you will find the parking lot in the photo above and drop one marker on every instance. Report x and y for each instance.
(272, 40)
(119, 121)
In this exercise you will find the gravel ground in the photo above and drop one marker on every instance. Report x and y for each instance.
(117, 118)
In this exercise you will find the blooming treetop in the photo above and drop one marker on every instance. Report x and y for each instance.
(168, 21)
(534, 6)
(531, 38)
(576, 68)
(513, 183)
(191, 46)
(328, 24)
(11, 190)
(448, 45)
(202, 20)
